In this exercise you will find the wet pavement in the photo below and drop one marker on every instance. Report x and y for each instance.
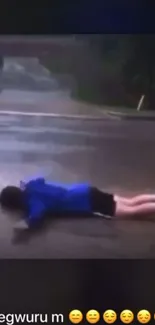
(114, 155)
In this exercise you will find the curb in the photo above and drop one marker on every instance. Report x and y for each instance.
(139, 118)
(64, 116)
(124, 116)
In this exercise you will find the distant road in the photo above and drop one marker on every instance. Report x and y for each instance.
(35, 46)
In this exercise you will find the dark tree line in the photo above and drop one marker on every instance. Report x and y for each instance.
(135, 55)
(1, 62)
(110, 69)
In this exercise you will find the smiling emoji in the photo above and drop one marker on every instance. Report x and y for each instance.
(110, 316)
(127, 316)
(144, 316)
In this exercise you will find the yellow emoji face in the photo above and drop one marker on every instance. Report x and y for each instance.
(110, 316)
(92, 316)
(75, 316)
(144, 316)
(127, 316)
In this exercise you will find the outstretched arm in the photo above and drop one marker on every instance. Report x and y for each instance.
(36, 210)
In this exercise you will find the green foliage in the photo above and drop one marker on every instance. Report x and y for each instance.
(115, 69)
(134, 57)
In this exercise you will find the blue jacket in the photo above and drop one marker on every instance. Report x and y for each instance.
(41, 197)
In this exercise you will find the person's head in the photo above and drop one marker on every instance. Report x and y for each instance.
(11, 197)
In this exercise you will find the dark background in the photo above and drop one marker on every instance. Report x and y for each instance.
(58, 286)
(56, 17)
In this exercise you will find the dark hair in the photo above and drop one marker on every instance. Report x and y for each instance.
(11, 197)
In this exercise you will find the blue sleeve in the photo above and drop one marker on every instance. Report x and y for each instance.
(36, 211)
(33, 181)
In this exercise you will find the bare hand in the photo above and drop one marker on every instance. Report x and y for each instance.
(20, 232)
(21, 225)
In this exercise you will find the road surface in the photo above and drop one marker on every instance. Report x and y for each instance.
(115, 155)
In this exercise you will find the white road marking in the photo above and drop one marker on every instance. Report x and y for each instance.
(23, 146)
(54, 115)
